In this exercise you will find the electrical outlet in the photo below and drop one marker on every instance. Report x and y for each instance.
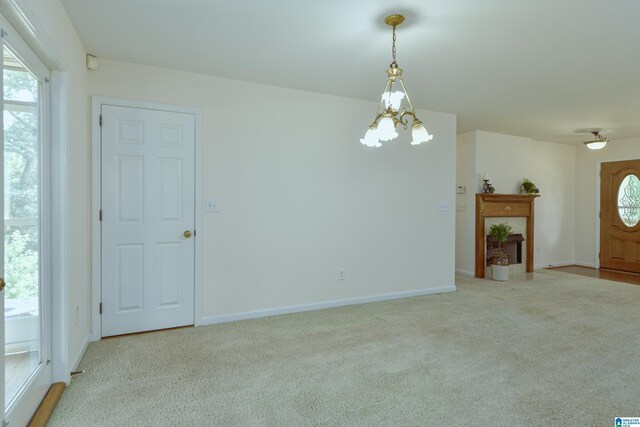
(341, 274)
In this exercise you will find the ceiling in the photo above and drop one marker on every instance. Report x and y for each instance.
(535, 68)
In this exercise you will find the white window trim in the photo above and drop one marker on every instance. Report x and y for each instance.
(46, 50)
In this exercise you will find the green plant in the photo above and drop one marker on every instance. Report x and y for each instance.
(500, 232)
(528, 186)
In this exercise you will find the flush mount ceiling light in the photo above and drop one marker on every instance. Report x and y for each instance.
(390, 114)
(597, 141)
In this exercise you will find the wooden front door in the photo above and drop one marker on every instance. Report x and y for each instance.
(620, 215)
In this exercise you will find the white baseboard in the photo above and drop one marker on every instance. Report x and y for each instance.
(465, 273)
(564, 264)
(554, 264)
(585, 264)
(78, 358)
(211, 320)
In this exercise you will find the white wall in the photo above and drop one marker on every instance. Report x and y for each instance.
(508, 159)
(52, 22)
(587, 188)
(466, 203)
(300, 197)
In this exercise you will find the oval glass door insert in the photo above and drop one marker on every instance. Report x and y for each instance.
(629, 200)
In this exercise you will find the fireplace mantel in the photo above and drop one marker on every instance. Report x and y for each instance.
(503, 205)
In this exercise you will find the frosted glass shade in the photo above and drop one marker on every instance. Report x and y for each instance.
(595, 145)
(371, 138)
(387, 129)
(392, 98)
(420, 135)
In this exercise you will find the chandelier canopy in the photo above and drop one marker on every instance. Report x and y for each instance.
(390, 111)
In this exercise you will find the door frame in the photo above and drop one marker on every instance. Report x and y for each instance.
(598, 179)
(96, 196)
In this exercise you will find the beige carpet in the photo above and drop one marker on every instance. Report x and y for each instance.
(557, 349)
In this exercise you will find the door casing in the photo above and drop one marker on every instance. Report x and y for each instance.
(96, 255)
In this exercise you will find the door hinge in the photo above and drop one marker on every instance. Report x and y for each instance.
(100, 215)
(100, 120)
(100, 308)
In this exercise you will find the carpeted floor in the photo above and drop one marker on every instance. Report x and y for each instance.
(547, 348)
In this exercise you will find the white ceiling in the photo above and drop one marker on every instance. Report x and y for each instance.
(534, 68)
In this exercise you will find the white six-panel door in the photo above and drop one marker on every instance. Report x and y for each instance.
(148, 195)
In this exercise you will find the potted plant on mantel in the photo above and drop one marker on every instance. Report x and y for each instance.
(528, 187)
(500, 260)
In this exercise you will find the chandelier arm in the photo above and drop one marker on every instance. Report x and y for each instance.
(407, 95)
(407, 113)
(375, 120)
(386, 86)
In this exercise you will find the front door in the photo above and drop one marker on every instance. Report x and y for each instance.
(620, 215)
(147, 208)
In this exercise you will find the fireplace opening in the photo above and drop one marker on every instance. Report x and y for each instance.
(512, 247)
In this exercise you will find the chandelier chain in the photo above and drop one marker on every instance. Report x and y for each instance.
(394, 64)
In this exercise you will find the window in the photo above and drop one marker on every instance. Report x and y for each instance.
(629, 200)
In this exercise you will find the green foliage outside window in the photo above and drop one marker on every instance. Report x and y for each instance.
(21, 185)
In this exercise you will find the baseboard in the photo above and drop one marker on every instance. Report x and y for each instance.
(211, 320)
(565, 264)
(78, 358)
(465, 273)
(554, 264)
(585, 264)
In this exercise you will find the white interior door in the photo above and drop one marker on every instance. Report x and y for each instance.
(148, 196)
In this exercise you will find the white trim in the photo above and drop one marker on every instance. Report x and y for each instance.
(585, 264)
(96, 241)
(322, 305)
(80, 355)
(199, 206)
(596, 254)
(554, 264)
(598, 168)
(22, 18)
(59, 209)
(464, 273)
(96, 286)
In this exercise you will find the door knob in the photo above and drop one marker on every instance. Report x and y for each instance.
(2, 284)
(187, 234)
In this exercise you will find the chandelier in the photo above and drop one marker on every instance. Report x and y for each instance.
(597, 142)
(389, 114)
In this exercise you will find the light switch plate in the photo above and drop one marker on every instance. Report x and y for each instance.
(444, 206)
(211, 205)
